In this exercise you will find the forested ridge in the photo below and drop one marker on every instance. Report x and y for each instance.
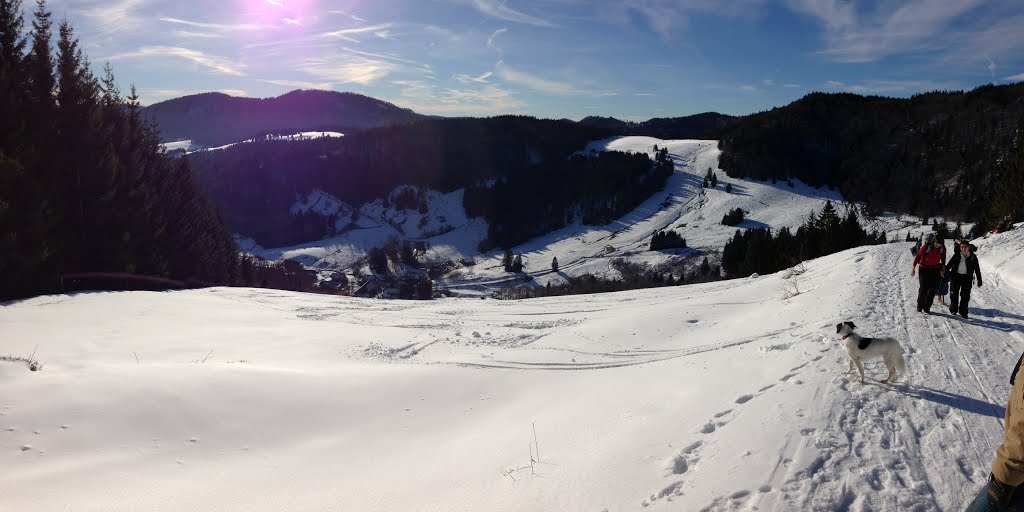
(940, 153)
(256, 183)
(215, 119)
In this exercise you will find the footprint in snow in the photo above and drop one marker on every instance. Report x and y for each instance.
(744, 399)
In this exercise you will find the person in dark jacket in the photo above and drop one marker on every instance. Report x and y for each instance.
(1001, 493)
(932, 259)
(962, 268)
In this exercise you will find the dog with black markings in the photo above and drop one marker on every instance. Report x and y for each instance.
(861, 349)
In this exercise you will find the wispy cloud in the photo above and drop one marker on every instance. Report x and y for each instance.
(768, 82)
(338, 69)
(223, 27)
(498, 9)
(382, 56)
(347, 14)
(429, 98)
(188, 34)
(112, 17)
(297, 83)
(465, 79)
(534, 82)
(234, 92)
(1015, 78)
(666, 18)
(892, 28)
(493, 37)
(792, 86)
(748, 88)
(212, 62)
(348, 34)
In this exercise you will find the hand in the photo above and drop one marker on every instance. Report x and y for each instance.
(912, 270)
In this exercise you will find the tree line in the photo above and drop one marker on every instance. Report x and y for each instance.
(941, 153)
(84, 186)
(762, 251)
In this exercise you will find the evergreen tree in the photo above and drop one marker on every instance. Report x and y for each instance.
(517, 264)
(728, 188)
(554, 261)
(507, 260)
(705, 267)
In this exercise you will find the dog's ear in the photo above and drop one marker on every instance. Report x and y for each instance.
(839, 327)
(851, 325)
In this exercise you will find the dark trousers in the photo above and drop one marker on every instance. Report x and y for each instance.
(959, 293)
(929, 280)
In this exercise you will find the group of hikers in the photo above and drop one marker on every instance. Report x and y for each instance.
(937, 275)
(956, 275)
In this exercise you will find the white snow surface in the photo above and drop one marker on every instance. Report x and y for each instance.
(721, 397)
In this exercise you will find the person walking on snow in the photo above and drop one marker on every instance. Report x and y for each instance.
(932, 258)
(1001, 493)
(962, 267)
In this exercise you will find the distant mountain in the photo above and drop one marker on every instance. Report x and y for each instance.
(214, 119)
(698, 126)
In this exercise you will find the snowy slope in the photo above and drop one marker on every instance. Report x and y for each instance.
(682, 205)
(721, 396)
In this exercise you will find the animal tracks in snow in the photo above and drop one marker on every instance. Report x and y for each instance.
(684, 460)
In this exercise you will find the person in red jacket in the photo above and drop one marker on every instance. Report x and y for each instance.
(932, 259)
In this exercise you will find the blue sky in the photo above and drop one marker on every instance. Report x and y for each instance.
(631, 59)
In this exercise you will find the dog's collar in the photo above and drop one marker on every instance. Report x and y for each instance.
(847, 336)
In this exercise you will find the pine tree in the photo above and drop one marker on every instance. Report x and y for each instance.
(554, 261)
(506, 260)
(728, 188)
(517, 264)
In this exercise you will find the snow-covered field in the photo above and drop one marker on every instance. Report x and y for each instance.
(720, 396)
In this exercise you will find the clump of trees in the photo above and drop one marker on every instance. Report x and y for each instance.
(759, 250)
(667, 240)
(84, 187)
(632, 276)
(733, 218)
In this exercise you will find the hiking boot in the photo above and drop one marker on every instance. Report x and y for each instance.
(952, 311)
(964, 315)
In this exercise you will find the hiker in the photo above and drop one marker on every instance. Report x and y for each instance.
(917, 246)
(962, 267)
(932, 258)
(1008, 467)
(1004, 225)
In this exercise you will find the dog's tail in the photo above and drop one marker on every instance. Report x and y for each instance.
(895, 360)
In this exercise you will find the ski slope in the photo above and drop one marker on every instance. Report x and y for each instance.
(719, 396)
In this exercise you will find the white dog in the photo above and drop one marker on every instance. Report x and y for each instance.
(861, 349)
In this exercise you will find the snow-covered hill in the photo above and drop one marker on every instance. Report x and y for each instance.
(696, 213)
(720, 396)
